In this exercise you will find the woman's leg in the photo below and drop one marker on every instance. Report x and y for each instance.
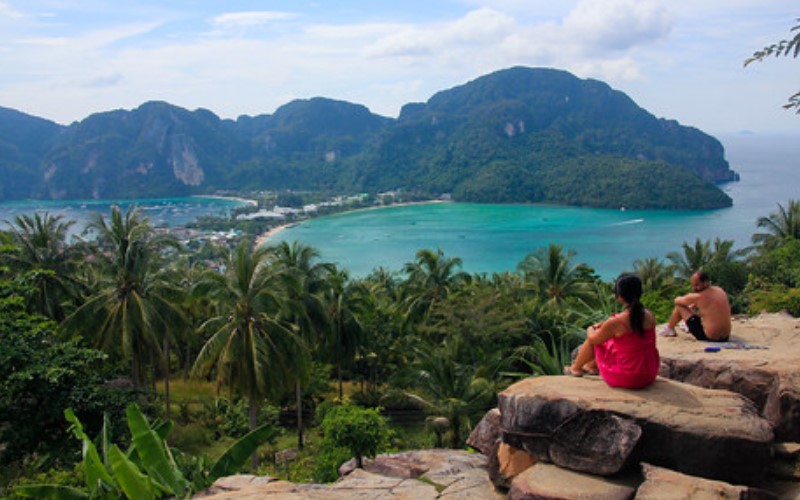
(585, 355)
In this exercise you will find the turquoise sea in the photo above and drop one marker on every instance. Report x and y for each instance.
(494, 238)
(169, 212)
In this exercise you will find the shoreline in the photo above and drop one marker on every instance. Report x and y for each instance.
(264, 237)
(246, 201)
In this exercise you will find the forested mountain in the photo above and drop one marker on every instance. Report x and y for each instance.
(24, 139)
(517, 135)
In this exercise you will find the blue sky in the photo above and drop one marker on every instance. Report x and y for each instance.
(679, 59)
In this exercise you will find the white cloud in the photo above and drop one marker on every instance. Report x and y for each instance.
(652, 49)
(480, 26)
(43, 42)
(109, 80)
(484, 26)
(251, 18)
(617, 24)
(100, 38)
(9, 12)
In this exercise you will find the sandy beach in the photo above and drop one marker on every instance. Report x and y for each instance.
(263, 238)
(231, 198)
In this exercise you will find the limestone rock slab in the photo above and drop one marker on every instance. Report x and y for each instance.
(512, 461)
(583, 424)
(439, 474)
(547, 481)
(664, 484)
(484, 435)
(765, 370)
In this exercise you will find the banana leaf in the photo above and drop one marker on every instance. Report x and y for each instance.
(131, 480)
(97, 476)
(105, 439)
(46, 491)
(153, 453)
(164, 428)
(235, 457)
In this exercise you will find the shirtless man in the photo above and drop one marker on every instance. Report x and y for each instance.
(707, 312)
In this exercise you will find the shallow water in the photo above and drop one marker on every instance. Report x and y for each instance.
(161, 211)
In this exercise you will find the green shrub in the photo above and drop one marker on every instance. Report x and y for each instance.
(60, 477)
(362, 431)
(660, 306)
(780, 265)
(775, 298)
(191, 438)
(41, 377)
(327, 463)
(149, 469)
(228, 418)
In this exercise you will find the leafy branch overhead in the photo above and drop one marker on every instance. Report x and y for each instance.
(784, 48)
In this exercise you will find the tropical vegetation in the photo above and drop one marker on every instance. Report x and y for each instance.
(518, 135)
(784, 48)
(217, 343)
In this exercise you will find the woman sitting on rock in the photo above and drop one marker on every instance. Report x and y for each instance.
(623, 347)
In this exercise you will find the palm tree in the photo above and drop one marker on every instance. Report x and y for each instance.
(382, 282)
(41, 247)
(445, 387)
(655, 274)
(431, 279)
(303, 282)
(346, 331)
(552, 273)
(703, 255)
(693, 258)
(196, 305)
(248, 348)
(130, 313)
(780, 226)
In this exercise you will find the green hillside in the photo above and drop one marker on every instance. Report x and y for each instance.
(519, 135)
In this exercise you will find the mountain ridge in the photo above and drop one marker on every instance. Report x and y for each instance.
(517, 135)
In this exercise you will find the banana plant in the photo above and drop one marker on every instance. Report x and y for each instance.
(147, 470)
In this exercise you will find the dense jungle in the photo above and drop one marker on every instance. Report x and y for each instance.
(169, 367)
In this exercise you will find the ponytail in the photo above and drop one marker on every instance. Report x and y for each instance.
(637, 316)
(629, 287)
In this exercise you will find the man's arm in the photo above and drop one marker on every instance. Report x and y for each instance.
(688, 300)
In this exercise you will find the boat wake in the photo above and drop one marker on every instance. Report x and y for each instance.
(627, 222)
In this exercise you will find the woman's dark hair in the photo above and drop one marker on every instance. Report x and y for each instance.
(629, 287)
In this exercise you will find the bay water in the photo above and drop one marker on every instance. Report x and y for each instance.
(162, 212)
(495, 238)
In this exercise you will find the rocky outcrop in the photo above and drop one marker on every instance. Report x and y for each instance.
(582, 424)
(546, 481)
(762, 363)
(663, 484)
(185, 165)
(486, 433)
(418, 475)
(576, 438)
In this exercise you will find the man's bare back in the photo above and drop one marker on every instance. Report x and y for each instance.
(709, 304)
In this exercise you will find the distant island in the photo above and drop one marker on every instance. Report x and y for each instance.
(520, 135)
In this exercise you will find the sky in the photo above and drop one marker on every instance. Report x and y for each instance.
(679, 59)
